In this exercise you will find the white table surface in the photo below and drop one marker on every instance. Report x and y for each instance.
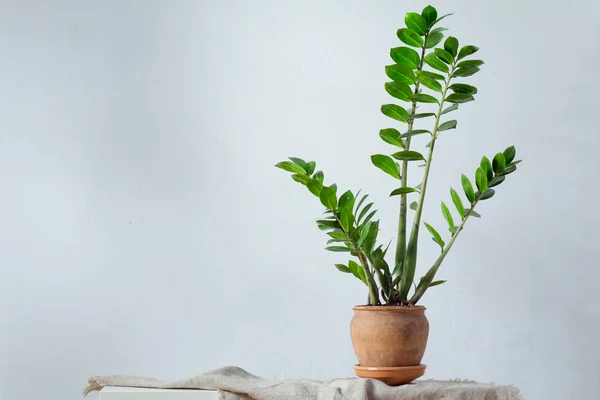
(128, 393)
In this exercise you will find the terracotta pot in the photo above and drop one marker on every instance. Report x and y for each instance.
(389, 336)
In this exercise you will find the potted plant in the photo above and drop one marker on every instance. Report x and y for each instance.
(389, 334)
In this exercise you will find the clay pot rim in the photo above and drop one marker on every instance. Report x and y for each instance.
(394, 309)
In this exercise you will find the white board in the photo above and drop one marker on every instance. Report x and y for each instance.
(128, 393)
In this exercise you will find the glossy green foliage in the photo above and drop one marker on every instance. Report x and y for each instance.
(427, 79)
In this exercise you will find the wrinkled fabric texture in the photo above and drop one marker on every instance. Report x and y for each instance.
(234, 383)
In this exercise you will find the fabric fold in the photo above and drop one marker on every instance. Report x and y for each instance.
(234, 383)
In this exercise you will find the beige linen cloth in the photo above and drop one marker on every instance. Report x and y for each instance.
(234, 383)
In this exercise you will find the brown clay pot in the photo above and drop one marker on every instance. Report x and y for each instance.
(389, 336)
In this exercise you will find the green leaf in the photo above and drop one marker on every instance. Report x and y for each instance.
(386, 164)
(391, 136)
(414, 132)
(328, 197)
(408, 155)
(410, 37)
(514, 163)
(509, 154)
(303, 179)
(343, 268)
(347, 219)
(499, 163)
(423, 115)
(436, 283)
(470, 63)
(346, 201)
(463, 88)
(488, 194)
(481, 179)
(357, 271)
(325, 224)
(402, 190)
(459, 98)
(467, 51)
(315, 187)
(429, 83)
(413, 205)
(496, 181)
(379, 254)
(449, 109)
(371, 236)
(338, 249)
(447, 125)
(435, 63)
(423, 98)
(508, 170)
(436, 236)
(362, 276)
(386, 249)
(444, 55)
(448, 217)
(300, 162)
(430, 15)
(457, 203)
(368, 217)
(395, 112)
(397, 89)
(468, 188)
(451, 46)
(362, 200)
(319, 176)
(486, 165)
(291, 167)
(431, 75)
(363, 212)
(415, 22)
(383, 275)
(400, 72)
(310, 167)
(338, 235)
(406, 56)
(441, 18)
(472, 213)
(397, 270)
(433, 39)
(466, 71)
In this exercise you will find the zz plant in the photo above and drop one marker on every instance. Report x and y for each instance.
(428, 71)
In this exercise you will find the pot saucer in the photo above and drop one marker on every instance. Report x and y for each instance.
(393, 376)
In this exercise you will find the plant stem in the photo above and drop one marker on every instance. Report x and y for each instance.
(382, 279)
(368, 273)
(401, 242)
(428, 277)
(370, 279)
(408, 273)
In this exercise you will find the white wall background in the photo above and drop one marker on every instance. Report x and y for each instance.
(144, 230)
